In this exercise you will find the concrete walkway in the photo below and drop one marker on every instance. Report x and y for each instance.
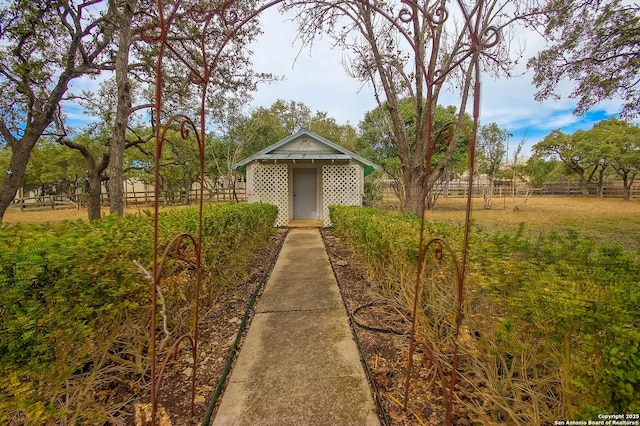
(299, 364)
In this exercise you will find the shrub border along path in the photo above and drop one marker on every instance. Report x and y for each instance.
(74, 312)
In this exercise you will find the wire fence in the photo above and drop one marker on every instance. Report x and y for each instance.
(131, 198)
(611, 189)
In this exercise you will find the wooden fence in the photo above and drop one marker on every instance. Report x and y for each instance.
(612, 189)
(132, 198)
(452, 189)
(460, 188)
(51, 202)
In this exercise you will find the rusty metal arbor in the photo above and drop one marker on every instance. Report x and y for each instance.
(217, 24)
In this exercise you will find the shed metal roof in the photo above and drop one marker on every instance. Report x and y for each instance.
(278, 151)
(304, 156)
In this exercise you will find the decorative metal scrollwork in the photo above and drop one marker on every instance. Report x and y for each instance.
(491, 37)
(232, 15)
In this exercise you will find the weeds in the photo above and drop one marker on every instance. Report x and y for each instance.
(550, 329)
(74, 315)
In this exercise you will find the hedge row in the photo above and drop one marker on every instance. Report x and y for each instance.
(551, 324)
(74, 311)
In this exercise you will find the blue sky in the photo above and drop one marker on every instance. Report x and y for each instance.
(316, 78)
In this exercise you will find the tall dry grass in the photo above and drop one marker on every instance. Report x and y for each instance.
(540, 314)
(604, 219)
(48, 215)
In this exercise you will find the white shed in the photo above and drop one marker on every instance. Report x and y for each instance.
(303, 175)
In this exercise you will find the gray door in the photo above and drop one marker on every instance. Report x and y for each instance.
(305, 194)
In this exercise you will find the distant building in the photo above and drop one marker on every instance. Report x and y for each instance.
(302, 175)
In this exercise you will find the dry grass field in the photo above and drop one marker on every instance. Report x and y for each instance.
(608, 219)
(14, 215)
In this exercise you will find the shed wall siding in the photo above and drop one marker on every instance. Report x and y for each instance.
(343, 184)
(306, 145)
(270, 184)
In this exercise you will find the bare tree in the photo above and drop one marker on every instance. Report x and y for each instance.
(441, 47)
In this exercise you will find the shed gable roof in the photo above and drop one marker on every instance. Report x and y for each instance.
(306, 145)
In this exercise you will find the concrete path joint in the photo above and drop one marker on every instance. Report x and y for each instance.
(299, 364)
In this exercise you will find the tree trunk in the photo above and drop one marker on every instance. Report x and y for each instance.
(626, 188)
(488, 197)
(413, 186)
(94, 175)
(187, 192)
(601, 183)
(123, 111)
(582, 181)
(14, 176)
(583, 186)
(93, 195)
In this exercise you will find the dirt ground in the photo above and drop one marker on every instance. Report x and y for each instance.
(381, 330)
(219, 327)
(45, 215)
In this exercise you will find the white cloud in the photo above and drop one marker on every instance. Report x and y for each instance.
(317, 79)
(314, 77)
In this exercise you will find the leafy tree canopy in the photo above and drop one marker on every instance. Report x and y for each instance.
(594, 43)
(376, 140)
(611, 144)
(540, 171)
(619, 143)
(266, 126)
(491, 149)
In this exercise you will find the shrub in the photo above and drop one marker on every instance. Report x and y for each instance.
(550, 325)
(75, 307)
